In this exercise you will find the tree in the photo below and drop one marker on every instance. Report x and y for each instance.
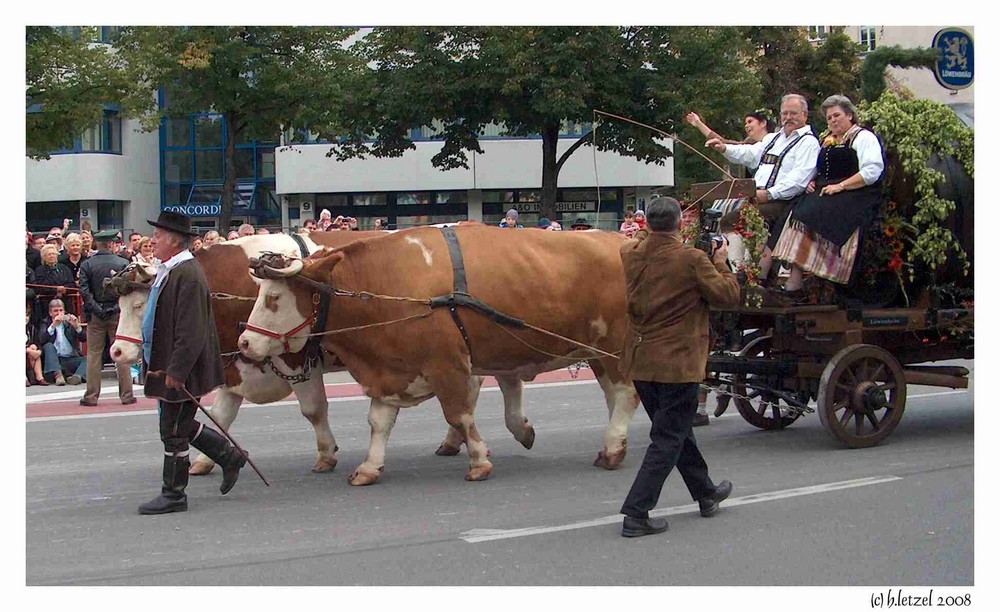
(69, 80)
(260, 79)
(873, 68)
(532, 80)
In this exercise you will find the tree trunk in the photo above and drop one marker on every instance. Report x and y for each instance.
(229, 172)
(550, 171)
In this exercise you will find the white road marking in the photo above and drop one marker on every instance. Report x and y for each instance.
(474, 536)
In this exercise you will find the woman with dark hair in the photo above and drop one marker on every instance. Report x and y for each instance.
(756, 125)
(824, 230)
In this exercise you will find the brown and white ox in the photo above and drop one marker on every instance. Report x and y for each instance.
(226, 268)
(568, 283)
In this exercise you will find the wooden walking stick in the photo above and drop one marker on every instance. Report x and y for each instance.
(163, 374)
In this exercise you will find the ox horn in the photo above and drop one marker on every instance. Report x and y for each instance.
(294, 267)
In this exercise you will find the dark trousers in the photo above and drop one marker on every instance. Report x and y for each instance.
(52, 363)
(177, 426)
(671, 408)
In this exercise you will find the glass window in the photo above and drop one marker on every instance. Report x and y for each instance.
(588, 195)
(208, 131)
(265, 163)
(243, 159)
(414, 198)
(113, 125)
(177, 166)
(90, 140)
(110, 214)
(178, 132)
(369, 199)
(498, 196)
(868, 37)
(208, 165)
(174, 195)
(453, 197)
(330, 200)
(529, 196)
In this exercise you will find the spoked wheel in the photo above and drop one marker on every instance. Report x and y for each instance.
(861, 395)
(760, 408)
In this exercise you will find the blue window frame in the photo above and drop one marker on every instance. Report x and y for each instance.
(105, 137)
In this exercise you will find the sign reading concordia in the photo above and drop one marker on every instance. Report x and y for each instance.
(955, 69)
(196, 210)
(560, 206)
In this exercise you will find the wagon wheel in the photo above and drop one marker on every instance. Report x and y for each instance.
(760, 408)
(861, 395)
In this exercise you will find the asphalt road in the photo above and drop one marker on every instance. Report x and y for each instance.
(805, 511)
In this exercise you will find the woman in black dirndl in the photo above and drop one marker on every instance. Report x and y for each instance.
(823, 232)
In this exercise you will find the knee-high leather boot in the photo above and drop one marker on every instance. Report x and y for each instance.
(172, 497)
(218, 448)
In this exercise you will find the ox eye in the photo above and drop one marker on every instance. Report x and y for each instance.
(138, 305)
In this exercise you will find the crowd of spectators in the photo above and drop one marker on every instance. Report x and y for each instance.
(53, 308)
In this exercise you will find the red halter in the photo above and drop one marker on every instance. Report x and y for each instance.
(127, 339)
(284, 337)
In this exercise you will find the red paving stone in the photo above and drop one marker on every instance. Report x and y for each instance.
(111, 404)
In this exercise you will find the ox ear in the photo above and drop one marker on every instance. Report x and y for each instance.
(320, 269)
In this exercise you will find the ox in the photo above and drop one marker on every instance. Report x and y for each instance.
(568, 283)
(226, 268)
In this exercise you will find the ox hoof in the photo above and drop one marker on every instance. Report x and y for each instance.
(324, 465)
(480, 472)
(201, 468)
(609, 461)
(447, 450)
(364, 477)
(527, 438)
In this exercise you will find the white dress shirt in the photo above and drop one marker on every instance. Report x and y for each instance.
(797, 168)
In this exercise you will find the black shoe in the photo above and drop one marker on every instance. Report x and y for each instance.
(127, 402)
(86, 402)
(798, 297)
(175, 480)
(638, 527)
(710, 505)
(699, 420)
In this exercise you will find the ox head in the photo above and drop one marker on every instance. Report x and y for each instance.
(285, 310)
(131, 285)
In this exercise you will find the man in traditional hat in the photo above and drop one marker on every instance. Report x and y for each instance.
(101, 306)
(179, 337)
(581, 224)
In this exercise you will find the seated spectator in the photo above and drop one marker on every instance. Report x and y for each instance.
(381, 224)
(145, 254)
(555, 227)
(211, 237)
(629, 227)
(59, 334)
(73, 256)
(233, 235)
(245, 230)
(33, 374)
(510, 220)
(52, 279)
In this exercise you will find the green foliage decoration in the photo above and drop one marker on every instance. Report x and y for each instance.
(914, 130)
(876, 61)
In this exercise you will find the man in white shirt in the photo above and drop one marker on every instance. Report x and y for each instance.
(787, 162)
(59, 336)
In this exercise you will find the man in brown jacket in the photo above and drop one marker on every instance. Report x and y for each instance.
(670, 288)
(179, 337)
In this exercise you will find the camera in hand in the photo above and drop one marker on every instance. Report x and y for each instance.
(709, 238)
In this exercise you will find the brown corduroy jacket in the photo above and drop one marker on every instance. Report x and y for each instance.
(670, 288)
